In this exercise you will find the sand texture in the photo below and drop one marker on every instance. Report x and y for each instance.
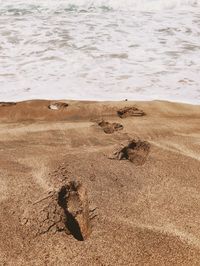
(90, 183)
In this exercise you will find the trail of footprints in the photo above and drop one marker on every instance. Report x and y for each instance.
(66, 209)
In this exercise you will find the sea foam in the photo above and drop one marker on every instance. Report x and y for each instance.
(100, 50)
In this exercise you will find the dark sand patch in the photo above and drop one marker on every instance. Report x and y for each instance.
(5, 104)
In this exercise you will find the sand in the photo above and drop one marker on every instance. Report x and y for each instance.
(65, 201)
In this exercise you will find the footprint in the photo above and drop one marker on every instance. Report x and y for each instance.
(58, 106)
(63, 210)
(110, 128)
(136, 151)
(130, 111)
(72, 198)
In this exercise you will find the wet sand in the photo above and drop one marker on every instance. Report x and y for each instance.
(73, 191)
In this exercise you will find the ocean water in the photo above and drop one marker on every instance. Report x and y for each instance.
(100, 50)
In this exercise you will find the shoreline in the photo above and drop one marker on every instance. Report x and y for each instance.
(39, 109)
(100, 101)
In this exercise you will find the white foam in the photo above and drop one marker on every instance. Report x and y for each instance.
(142, 5)
(82, 49)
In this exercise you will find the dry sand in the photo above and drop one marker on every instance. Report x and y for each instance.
(64, 202)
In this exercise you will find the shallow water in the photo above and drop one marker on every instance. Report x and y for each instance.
(100, 50)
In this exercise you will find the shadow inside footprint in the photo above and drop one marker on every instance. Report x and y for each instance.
(71, 223)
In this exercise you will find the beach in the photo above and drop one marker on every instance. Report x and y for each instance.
(99, 183)
(99, 132)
